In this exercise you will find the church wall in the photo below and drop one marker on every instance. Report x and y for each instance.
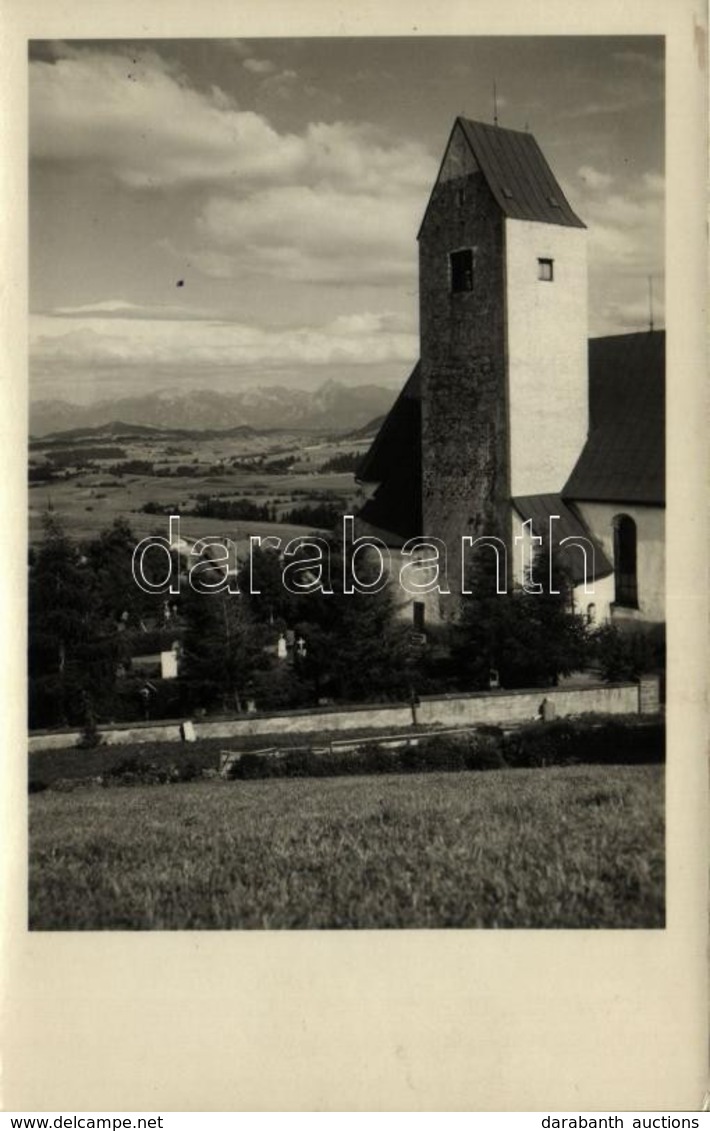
(464, 415)
(522, 546)
(650, 559)
(547, 354)
(404, 598)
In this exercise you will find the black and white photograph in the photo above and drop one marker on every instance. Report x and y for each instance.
(354, 603)
(346, 483)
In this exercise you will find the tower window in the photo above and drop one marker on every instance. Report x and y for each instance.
(461, 270)
(625, 579)
(545, 270)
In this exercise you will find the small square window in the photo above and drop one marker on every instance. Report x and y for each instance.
(544, 270)
(461, 270)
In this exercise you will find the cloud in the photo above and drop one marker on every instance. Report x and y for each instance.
(337, 202)
(655, 183)
(626, 246)
(316, 234)
(282, 84)
(88, 344)
(625, 218)
(593, 178)
(626, 312)
(119, 308)
(259, 66)
(138, 117)
(108, 306)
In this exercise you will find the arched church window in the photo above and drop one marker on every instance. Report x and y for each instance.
(625, 578)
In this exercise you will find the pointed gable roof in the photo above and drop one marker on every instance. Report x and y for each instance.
(517, 174)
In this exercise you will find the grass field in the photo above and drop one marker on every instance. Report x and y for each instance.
(569, 847)
(70, 502)
(91, 501)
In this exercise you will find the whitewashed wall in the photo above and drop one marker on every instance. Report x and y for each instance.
(547, 354)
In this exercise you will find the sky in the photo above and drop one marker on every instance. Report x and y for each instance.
(230, 213)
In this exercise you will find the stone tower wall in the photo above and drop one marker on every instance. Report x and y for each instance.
(465, 481)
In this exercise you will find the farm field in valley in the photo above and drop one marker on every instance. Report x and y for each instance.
(230, 468)
(564, 847)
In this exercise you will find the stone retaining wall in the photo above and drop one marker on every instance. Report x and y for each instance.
(489, 707)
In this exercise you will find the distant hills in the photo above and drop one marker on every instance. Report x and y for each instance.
(332, 406)
(120, 430)
(370, 429)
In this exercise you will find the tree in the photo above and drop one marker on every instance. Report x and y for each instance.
(260, 582)
(222, 648)
(110, 557)
(354, 649)
(72, 646)
(528, 638)
(622, 654)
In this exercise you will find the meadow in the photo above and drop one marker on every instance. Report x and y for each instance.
(88, 500)
(561, 847)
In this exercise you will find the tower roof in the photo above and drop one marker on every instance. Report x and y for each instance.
(517, 174)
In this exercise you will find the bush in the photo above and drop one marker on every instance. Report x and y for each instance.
(475, 750)
(90, 737)
(322, 516)
(125, 704)
(567, 742)
(188, 772)
(543, 744)
(135, 771)
(279, 688)
(251, 766)
(624, 654)
(563, 742)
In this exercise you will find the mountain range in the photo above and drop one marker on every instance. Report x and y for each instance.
(331, 406)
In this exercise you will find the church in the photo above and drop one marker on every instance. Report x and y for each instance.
(514, 425)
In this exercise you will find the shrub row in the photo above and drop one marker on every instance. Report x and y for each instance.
(559, 743)
(131, 771)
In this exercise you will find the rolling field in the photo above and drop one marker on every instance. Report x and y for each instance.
(88, 506)
(90, 499)
(572, 847)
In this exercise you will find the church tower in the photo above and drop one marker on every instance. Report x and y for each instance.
(503, 327)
